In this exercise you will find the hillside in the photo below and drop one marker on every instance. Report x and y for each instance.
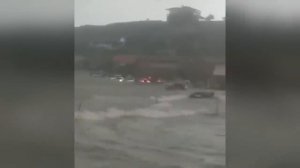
(207, 39)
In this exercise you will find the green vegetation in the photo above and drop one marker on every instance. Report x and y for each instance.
(186, 35)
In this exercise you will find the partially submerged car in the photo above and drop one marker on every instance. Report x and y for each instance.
(202, 94)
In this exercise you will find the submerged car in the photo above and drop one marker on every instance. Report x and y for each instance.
(202, 94)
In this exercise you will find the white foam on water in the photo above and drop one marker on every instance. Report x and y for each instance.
(172, 98)
(160, 110)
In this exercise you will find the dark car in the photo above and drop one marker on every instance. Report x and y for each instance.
(176, 86)
(202, 94)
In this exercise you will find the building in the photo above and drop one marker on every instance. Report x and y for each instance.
(171, 67)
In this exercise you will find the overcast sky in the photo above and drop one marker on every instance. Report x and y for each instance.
(102, 12)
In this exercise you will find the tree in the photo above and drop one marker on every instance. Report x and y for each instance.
(210, 17)
(183, 16)
(184, 25)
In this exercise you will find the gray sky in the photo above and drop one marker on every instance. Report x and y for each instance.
(101, 12)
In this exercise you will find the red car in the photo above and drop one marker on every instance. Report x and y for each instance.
(150, 79)
(144, 80)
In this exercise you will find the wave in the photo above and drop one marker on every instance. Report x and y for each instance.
(163, 108)
(160, 110)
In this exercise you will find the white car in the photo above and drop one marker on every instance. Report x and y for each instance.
(118, 78)
(115, 77)
(129, 79)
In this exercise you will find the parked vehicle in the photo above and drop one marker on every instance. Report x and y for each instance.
(150, 79)
(144, 81)
(129, 79)
(115, 77)
(202, 94)
(118, 78)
